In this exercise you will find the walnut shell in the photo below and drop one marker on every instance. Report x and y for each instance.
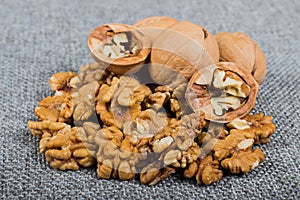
(241, 49)
(121, 47)
(153, 26)
(201, 90)
(182, 48)
(156, 21)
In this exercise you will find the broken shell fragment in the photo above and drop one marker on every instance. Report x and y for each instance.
(223, 92)
(121, 47)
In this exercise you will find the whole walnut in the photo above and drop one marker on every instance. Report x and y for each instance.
(239, 48)
(153, 26)
(180, 50)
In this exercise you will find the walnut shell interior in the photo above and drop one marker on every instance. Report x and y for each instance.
(121, 47)
(223, 92)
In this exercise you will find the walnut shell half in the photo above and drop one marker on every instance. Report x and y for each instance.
(241, 49)
(121, 47)
(223, 92)
(184, 47)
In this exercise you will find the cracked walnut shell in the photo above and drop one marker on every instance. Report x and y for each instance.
(223, 92)
(241, 49)
(122, 48)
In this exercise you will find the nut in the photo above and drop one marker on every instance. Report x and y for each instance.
(66, 150)
(57, 108)
(241, 49)
(243, 162)
(120, 47)
(236, 154)
(153, 26)
(223, 92)
(153, 173)
(259, 127)
(208, 171)
(179, 51)
(60, 80)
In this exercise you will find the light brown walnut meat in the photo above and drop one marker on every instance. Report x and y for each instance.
(236, 154)
(116, 157)
(39, 128)
(84, 101)
(153, 173)
(61, 80)
(243, 161)
(257, 127)
(208, 139)
(91, 72)
(57, 108)
(208, 171)
(66, 151)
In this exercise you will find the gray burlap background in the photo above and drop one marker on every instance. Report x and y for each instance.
(39, 39)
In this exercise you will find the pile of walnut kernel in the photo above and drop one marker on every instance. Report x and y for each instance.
(99, 118)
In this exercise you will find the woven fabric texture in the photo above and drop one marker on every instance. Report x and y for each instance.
(39, 38)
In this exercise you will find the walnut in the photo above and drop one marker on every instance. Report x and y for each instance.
(120, 47)
(146, 125)
(84, 100)
(241, 49)
(116, 157)
(91, 72)
(190, 127)
(236, 154)
(257, 127)
(176, 42)
(243, 161)
(208, 171)
(153, 173)
(153, 26)
(57, 108)
(179, 158)
(223, 91)
(61, 80)
(126, 102)
(121, 101)
(209, 138)
(191, 170)
(39, 128)
(66, 151)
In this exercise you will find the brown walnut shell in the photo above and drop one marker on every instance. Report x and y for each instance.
(101, 36)
(183, 48)
(200, 99)
(156, 21)
(153, 26)
(239, 48)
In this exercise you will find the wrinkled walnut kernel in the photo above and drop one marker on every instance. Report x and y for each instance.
(153, 173)
(259, 127)
(60, 80)
(208, 171)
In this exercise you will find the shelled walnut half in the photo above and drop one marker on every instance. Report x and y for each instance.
(223, 92)
(257, 127)
(121, 47)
